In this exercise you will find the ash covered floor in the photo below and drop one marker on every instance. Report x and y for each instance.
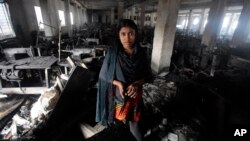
(182, 105)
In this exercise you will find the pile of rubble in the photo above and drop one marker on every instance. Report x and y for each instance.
(32, 112)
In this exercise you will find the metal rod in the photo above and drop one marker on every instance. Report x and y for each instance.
(59, 42)
(48, 25)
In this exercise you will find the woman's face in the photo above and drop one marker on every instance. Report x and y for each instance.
(127, 37)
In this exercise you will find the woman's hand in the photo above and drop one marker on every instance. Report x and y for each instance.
(120, 86)
(132, 90)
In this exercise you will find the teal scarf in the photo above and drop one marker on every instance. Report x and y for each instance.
(105, 98)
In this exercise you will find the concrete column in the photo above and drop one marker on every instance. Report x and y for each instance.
(214, 24)
(242, 31)
(186, 22)
(67, 17)
(76, 16)
(85, 16)
(92, 16)
(89, 15)
(18, 18)
(189, 20)
(24, 20)
(126, 14)
(167, 14)
(135, 15)
(129, 14)
(202, 20)
(108, 16)
(112, 16)
(80, 16)
(142, 14)
(151, 19)
(53, 16)
(46, 19)
(120, 9)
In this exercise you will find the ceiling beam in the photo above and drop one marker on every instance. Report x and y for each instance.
(185, 4)
(192, 4)
(195, 6)
(79, 3)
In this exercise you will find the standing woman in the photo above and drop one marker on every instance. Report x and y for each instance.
(125, 69)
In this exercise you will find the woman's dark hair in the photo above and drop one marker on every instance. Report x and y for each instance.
(127, 23)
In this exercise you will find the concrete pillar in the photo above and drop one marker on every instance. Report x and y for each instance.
(19, 21)
(167, 14)
(85, 16)
(142, 14)
(103, 17)
(112, 16)
(89, 15)
(126, 14)
(151, 19)
(67, 17)
(189, 24)
(53, 16)
(24, 20)
(80, 16)
(214, 24)
(135, 14)
(129, 14)
(120, 9)
(46, 19)
(108, 16)
(242, 31)
(76, 16)
(202, 20)
(186, 22)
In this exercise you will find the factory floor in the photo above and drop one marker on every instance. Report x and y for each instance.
(201, 108)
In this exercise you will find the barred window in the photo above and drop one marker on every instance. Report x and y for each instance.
(6, 29)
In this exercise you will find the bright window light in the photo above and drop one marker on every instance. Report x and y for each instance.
(61, 17)
(232, 28)
(196, 21)
(205, 23)
(39, 17)
(225, 22)
(235, 23)
(6, 30)
(183, 23)
(71, 18)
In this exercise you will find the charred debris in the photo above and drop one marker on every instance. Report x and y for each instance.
(201, 97)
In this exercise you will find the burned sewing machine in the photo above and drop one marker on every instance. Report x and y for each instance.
(20, 64)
